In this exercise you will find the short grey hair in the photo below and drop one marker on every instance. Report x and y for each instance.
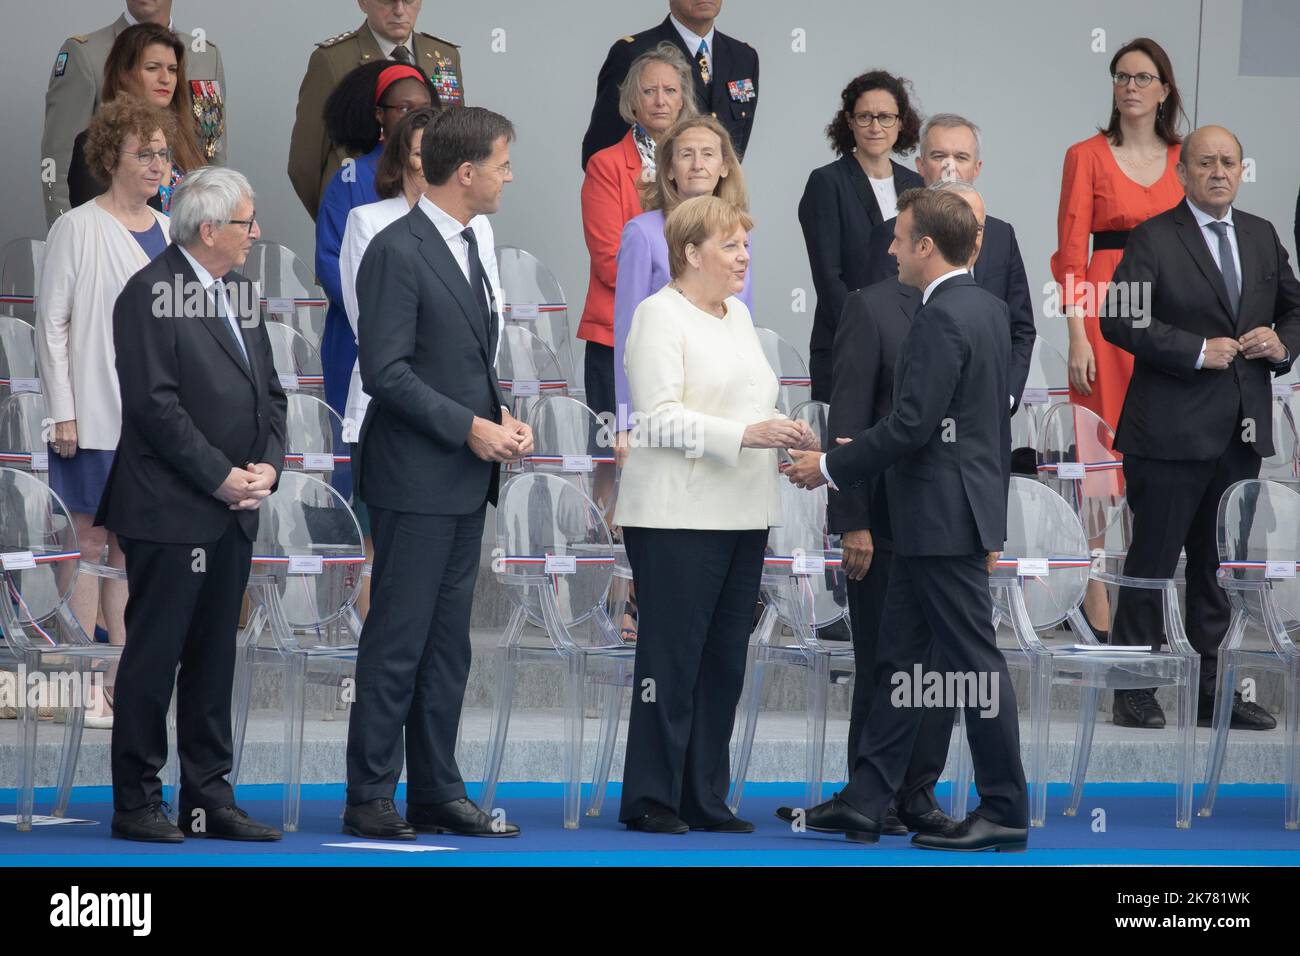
(949, 121)
(954, 185)
(210, 194)
(669, 55)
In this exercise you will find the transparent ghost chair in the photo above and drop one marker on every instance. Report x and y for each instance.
(45, 645)
(531, 297)
(556, 558)
(1039, 582)
(313, 440)
(1284, 463)
(305, 577)
(1259, 554)
(1047, 385)
(527, 369)
(804, 590)
(790, 368)
(297, 361)
(25, 433)
(1077, 459)
(21, 262)
(289, 291)
(18, 372)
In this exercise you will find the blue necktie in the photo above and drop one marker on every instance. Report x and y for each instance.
(219, 288)
(1227, 266)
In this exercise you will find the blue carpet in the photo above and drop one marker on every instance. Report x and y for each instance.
(1246, 830)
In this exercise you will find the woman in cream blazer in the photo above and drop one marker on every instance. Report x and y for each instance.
(698, 493)
(90, 253)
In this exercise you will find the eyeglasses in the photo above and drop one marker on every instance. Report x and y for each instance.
(864, 120)
(244, 222)
(146, 156)
(503, 167)
(1143, 80)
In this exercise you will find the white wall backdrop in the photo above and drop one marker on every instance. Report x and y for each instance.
(1027, 72)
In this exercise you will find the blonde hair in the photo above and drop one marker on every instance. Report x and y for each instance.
(697, 220)
(663, 193)
(630, 89)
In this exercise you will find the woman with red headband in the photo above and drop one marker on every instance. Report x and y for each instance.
(360, 115)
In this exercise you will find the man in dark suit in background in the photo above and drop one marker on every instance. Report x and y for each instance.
(875, 323)
(430, 451)
(950, 149)
(944, 445)
(203, 425)
(1214, 313)
(726, 74)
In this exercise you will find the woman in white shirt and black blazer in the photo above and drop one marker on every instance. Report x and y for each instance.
(698, 494)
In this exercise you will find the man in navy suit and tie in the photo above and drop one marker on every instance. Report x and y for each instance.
(943, 449)
(431, 447)
(950, 150)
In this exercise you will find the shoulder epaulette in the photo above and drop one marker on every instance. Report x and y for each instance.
(430, 36)
(629, 39)
(80, 39)
(339, 38)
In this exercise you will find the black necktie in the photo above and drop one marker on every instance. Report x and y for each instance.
(478, 282)
(402, 55)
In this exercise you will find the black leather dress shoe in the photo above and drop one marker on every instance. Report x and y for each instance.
(976, 833)
(227, 823)
(932, 821)
(461, 817)
(658, 821)
(1246, 715)
(891, 825)
(377, 819)
(147, 825)
(1137, 708)
(835, 816)
(734, 825)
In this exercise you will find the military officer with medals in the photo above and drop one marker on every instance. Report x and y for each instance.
(388, 33)
(78, 78)
(726, 74)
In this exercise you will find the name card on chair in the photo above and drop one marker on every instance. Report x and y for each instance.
(1032, 567)
(17, 385)
(1279, 569)
(289, 382)
(524, 310)
(281, 306)
(305, 564)
(577, 463)
(18, 560)
(808, 564)
(1034, 396)
(561, 564)
(40, 461)
(1070, 470)
(526, 386)
(312, 461)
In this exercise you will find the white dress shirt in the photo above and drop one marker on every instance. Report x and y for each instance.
(1203, 219)
(692, 41)
(886, 196)
(207, 280)
(171, 24)
(925, 297)
(387, 46)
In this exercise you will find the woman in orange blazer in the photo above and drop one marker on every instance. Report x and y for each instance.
(655, 94)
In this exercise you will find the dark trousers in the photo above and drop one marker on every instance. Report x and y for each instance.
(413, 657)
(819, 370)
(930, 753)
(1175, 506)
(598, 377)
(696, 592)
(182, 609)
(938, 609)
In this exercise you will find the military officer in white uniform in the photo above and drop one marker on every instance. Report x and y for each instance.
(78, 77)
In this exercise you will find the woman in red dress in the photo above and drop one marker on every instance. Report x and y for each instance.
(1112, 181)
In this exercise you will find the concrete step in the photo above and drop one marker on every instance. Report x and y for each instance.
(535, 751)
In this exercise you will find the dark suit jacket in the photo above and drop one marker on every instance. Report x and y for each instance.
(838, 211)
(1173, 411)
(191, 408)
(999, 270)
(944, 443)
(875, 322)
(426, 356)
(733, 61)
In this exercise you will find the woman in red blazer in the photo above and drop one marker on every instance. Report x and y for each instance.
(654, 95)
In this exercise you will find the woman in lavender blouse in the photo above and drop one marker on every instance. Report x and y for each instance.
(697, 159)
